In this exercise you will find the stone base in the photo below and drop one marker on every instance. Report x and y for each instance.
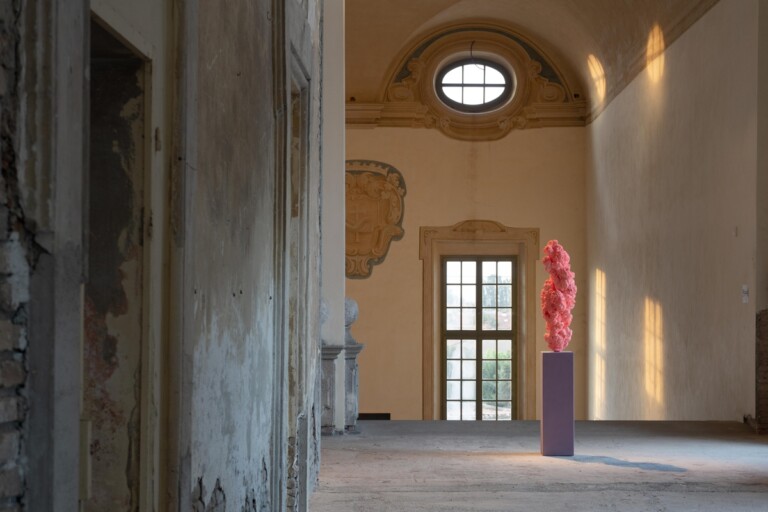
(331, 431)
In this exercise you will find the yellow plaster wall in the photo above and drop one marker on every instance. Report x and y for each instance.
(672, 174)
(531, 178)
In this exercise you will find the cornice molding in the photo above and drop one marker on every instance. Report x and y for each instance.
(408, 99)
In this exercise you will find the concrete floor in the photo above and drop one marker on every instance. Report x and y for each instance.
(414, 466)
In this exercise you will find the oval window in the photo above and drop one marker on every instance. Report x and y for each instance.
(474, 85)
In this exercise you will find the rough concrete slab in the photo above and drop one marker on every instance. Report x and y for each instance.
(472, 466)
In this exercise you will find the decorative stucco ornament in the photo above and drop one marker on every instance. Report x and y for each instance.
(558, 296)
(374, 201)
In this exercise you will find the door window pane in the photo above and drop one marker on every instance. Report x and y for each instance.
(468, 390)
(468, 369)
(504, 410)
(489, 296)
(453, 319)
(453, 350)
(453, 411)
(453, 296)
(489, 319)
(468, 272)
(489, 411)
(489, 390)
(468, 319)
(504, 319)
(489, 271)
(453, 390)
(505, 296)
(453, 272)
(468, 296)
(489, 349)
(468, 349)
(505, 390)
(489, 370)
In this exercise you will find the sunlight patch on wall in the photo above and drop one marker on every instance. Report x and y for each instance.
(597, 73)
(653, 344)
(654, 54)
(599, 391)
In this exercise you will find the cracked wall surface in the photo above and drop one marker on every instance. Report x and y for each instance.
(18, 254)
(252, 243)
(221, 437)
(113, 290)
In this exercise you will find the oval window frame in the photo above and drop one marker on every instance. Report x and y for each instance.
(501, 101)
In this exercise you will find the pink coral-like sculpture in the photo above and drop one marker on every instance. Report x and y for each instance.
(558, 296)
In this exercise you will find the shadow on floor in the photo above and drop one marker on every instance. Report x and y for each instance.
(611, 461)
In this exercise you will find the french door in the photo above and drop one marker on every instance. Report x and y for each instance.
(479, 315)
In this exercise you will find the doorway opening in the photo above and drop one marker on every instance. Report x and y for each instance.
(113, 293)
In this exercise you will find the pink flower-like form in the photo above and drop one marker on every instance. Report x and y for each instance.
(558, 296)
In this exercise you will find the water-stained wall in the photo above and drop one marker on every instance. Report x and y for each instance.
(197, 229)
(249, 247)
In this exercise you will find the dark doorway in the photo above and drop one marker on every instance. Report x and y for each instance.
(113, 326)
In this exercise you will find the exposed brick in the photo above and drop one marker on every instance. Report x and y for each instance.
(14, 290)
(10, 409)
(11, 373)
(10, 483)
(9, 446)
(12, 260)
(11, 336)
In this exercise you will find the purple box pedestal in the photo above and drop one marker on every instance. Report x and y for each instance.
(557, 426)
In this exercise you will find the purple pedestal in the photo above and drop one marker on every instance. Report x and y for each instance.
(557, 427)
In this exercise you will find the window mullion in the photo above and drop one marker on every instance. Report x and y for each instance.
(478, 341)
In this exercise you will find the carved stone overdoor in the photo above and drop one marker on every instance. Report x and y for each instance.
(374, 201)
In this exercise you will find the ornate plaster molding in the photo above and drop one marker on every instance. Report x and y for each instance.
(374, 202)
(408, 99)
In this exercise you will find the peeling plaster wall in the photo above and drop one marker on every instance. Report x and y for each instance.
(231, 238)
(237, 321)
(113, 290)
(671, 217)
(529, 179)
(18, 255)
(228, 356)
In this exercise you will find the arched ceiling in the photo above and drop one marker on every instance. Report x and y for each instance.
(614, 32)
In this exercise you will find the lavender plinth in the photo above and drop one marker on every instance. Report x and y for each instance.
(557, 412)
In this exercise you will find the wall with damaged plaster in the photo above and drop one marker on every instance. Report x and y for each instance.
(112, 341)
(135, 382)
(199, 256)
(18, 252)
(251, 242)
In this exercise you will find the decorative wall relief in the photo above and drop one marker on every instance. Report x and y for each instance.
(542, 93)
(374, 201)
